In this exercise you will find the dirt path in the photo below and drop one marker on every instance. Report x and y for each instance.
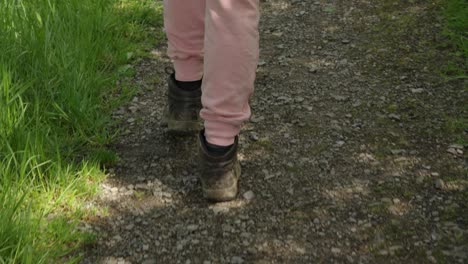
(346, 159)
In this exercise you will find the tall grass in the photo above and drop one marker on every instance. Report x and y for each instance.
(456, 17)
(456, 29)
(59, 61)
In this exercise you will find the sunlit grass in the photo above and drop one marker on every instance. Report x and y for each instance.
(59, 64)
(456, 21)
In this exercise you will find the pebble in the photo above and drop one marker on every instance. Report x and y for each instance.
(417, 90)
(439, 184)
(394, 117)
(237, 260)
(335, 250)
(192, 227)
(383, 252)
(386, 200)
(339, 143)
(455, 149)
(219, 209)
(339, 98)
(248, 195)
(420, 179)
(397, 151)
(456, 146)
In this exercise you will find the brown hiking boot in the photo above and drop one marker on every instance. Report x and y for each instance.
(182, 112)
(219, 174)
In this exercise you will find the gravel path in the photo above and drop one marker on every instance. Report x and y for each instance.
(347, 158)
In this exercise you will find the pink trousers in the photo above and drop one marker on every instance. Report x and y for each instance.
(217, 41)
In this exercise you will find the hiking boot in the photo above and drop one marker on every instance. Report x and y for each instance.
(219, 174)
(182, 112)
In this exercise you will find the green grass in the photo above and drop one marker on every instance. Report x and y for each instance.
(59, 64)
(456, 29)
(456, 17)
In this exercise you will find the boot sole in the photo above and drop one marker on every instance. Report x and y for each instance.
(225, 194)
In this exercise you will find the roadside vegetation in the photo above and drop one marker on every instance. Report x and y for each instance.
(59, 66)
(456, 16)
(456, 29)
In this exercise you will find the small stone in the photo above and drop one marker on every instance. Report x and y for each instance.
(192, 228)
(417, 90)
(339, 143)
(254, 136)
(396, 201)
(141, 186)
(248, 195)
(269, 176)
(316, 221)
(237, 260)
(339, 98)
(277, 34)
(313, 69)
(335, 250)
(452, 151)
(386, 200)
(345, 41)
(397, 151)
(420, 179)
(220, 209)
(456, 146)
(256, 119)
(394, 210)
(383, 252)
(395, 248)
(394, 117)
(439, 184)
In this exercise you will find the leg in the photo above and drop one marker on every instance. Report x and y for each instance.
(184, 22)
(231, 57)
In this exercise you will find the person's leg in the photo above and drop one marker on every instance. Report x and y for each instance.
(184, 23)
(231, 57)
